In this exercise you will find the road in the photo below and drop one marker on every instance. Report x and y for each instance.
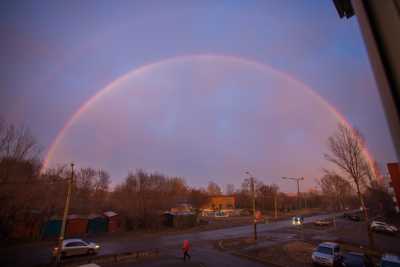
(202, 243)
(203, 250)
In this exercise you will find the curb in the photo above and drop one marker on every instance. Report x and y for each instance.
(134, 256)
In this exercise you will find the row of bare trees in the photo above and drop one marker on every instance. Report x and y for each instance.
(142, 195)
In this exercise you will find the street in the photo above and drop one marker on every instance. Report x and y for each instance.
(169, 245)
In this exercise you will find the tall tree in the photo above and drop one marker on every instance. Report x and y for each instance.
(266, 195)
(346, 152)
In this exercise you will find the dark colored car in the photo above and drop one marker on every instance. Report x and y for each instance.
(354, 217)
(355, 259)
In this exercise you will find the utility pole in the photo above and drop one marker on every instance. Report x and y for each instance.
(297, 180)
(276, 204)
(66, 209)
(254, 204)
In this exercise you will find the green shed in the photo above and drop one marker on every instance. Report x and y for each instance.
(97, 224)
(52, 228)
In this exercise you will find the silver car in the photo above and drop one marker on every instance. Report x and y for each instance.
(327, 254)
(76, 246)
(383, 227)
(389, 260)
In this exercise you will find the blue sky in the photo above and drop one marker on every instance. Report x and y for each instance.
(55, 55)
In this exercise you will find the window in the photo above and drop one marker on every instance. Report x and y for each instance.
(325, 250)
(76, 244)
(71, 244)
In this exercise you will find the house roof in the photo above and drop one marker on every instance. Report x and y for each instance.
(76, 216)
(110, 213)
(95, 215)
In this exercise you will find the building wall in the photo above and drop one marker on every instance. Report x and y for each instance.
(394, 185)
(221, 202)
(76, 227)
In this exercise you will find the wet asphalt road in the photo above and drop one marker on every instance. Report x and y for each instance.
(169, 245)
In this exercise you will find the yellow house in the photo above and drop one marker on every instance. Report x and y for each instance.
(220, 203)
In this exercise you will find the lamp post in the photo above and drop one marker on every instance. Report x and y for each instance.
(66, 209)
(254, 204)
(297, 180)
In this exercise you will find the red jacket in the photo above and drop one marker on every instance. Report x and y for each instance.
(186, 245)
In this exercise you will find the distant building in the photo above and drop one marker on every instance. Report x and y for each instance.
(183, 207)
(76, 225)
(179, 219)
(220, 203)
(113, 221)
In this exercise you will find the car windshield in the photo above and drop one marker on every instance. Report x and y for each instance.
(325, 250)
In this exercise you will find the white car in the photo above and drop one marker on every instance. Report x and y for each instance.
(76, 246)
(327, 254)
(380, 226)
(297, 220)
(389, 260)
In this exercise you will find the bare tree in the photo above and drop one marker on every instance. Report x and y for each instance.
(336, 188)
(346, 152)
(17, 143)
(266, 195)
(213, 189)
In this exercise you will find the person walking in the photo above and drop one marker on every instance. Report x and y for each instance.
(185, 249)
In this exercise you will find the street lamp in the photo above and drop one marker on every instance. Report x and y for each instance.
(297, 180)
(65, 216)
(254, 203)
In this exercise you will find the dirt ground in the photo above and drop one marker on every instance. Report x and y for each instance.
(295, 253)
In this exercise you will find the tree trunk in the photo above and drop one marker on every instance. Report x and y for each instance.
(370, 235)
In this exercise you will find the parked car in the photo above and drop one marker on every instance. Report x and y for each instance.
(322, 222)
(346, 215)
(354, 217)
(355, 259)
(390, 260)
(297, 220)
(219, 214)
(327, 253)
(75, 246)
(382, 227)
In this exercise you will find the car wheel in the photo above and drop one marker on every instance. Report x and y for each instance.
(90, 251)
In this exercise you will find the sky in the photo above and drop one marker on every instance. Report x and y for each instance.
(206, 89)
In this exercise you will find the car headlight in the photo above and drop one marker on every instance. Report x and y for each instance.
(97, 246)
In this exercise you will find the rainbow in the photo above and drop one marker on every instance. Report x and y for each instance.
(226, 58)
